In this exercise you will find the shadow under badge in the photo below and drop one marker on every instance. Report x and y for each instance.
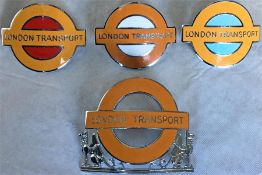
(104, 152)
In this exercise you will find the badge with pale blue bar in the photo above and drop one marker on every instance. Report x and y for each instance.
(222, 34)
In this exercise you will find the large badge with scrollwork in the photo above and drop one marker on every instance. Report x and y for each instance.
(104, 152)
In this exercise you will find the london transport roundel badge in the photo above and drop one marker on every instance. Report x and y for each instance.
(43, 37)
(104, 151)
(135, 35)
(222, 34)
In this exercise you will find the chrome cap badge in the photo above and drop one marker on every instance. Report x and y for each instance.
(222, 34)
(43, 37)
(135, 35)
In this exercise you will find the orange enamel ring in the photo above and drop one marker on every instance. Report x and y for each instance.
(143, 154)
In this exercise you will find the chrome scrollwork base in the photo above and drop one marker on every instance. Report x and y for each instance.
(97, 159)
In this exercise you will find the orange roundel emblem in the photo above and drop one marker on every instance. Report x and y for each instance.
(43, 37)
(135, 35)
(106, 119)
(222, 34)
